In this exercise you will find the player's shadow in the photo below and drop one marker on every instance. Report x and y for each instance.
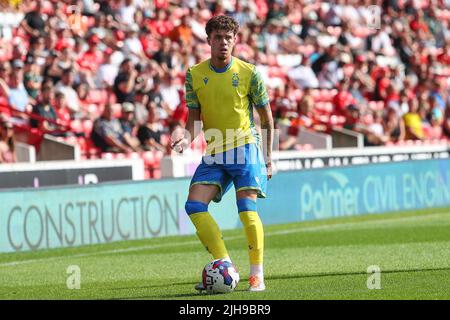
(165, 296)
(353, 273)
(280, 277)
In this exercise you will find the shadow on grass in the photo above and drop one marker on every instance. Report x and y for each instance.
(280, 277)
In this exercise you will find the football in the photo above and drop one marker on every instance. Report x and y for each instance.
(220, 276)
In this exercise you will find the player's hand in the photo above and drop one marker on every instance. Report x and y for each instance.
(269, 170)
(179, 145)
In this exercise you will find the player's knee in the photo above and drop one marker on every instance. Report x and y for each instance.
(192, 207)
(246, 204)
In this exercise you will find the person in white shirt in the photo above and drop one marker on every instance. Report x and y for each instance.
(169, 92)
(381, 43)
(132, 46)
(127, 12)
(65, 86)
(107, 71)
(303, 75)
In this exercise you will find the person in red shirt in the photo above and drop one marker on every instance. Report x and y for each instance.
(91, 59)
(391, 95)
(444, 57)
(61, 109)
(182, 32)
(162, 25)
(305, 119)
(343, 99)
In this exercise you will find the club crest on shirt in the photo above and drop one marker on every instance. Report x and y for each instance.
(205, 80)
(235, 80)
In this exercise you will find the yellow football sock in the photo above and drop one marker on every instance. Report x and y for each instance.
(209, 234)
(255, 236)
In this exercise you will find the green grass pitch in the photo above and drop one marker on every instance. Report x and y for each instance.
(325, 259)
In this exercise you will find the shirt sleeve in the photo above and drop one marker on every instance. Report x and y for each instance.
(191, 97)
(258, 94)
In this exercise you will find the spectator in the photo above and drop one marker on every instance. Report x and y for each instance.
(394, 126)
(150, 133)
(132, 46)
(140, 104)
(17, 94)
(343, 98)
(163, 56)
(77, 22)
(107, 71)
(7, 142)
(91, 59)
(5, 70)
(309, 26)
(107, 132)
(51, 69)
(413, 122)
(82, 90)
(380, 43)
(34, 21)
(331, 72)
(437, 95)
(127, 121)
(62, 111)
(183, 32)
(303, 75)
(66, 86)
(446, 121)
(436, 124)
(376, 135)
(32, 77)
(127, 12)
(170, 93)
(329, 55)
(124, 84)
(353, 122)
(44, 109)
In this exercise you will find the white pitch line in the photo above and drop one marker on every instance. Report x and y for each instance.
(268, 234)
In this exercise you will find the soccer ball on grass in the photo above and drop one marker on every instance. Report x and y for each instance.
(220, 276)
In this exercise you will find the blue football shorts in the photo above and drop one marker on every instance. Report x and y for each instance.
(243, 166)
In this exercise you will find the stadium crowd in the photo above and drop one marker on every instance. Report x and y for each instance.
(109, 75)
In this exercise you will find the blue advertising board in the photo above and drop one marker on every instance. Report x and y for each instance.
(33, 219)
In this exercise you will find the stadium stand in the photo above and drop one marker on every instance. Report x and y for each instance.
(328, 66)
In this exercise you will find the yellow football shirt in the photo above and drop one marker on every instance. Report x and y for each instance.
(226, 99)
(413, 121)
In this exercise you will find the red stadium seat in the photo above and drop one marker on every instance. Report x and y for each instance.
(81, 141)
(71, 140)
(120, 156)
(368, 119)
(87, 127)
(76, 126)
(156, 174)
(315, 93)
(107, 155)
(149, 159)
(133, 155)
